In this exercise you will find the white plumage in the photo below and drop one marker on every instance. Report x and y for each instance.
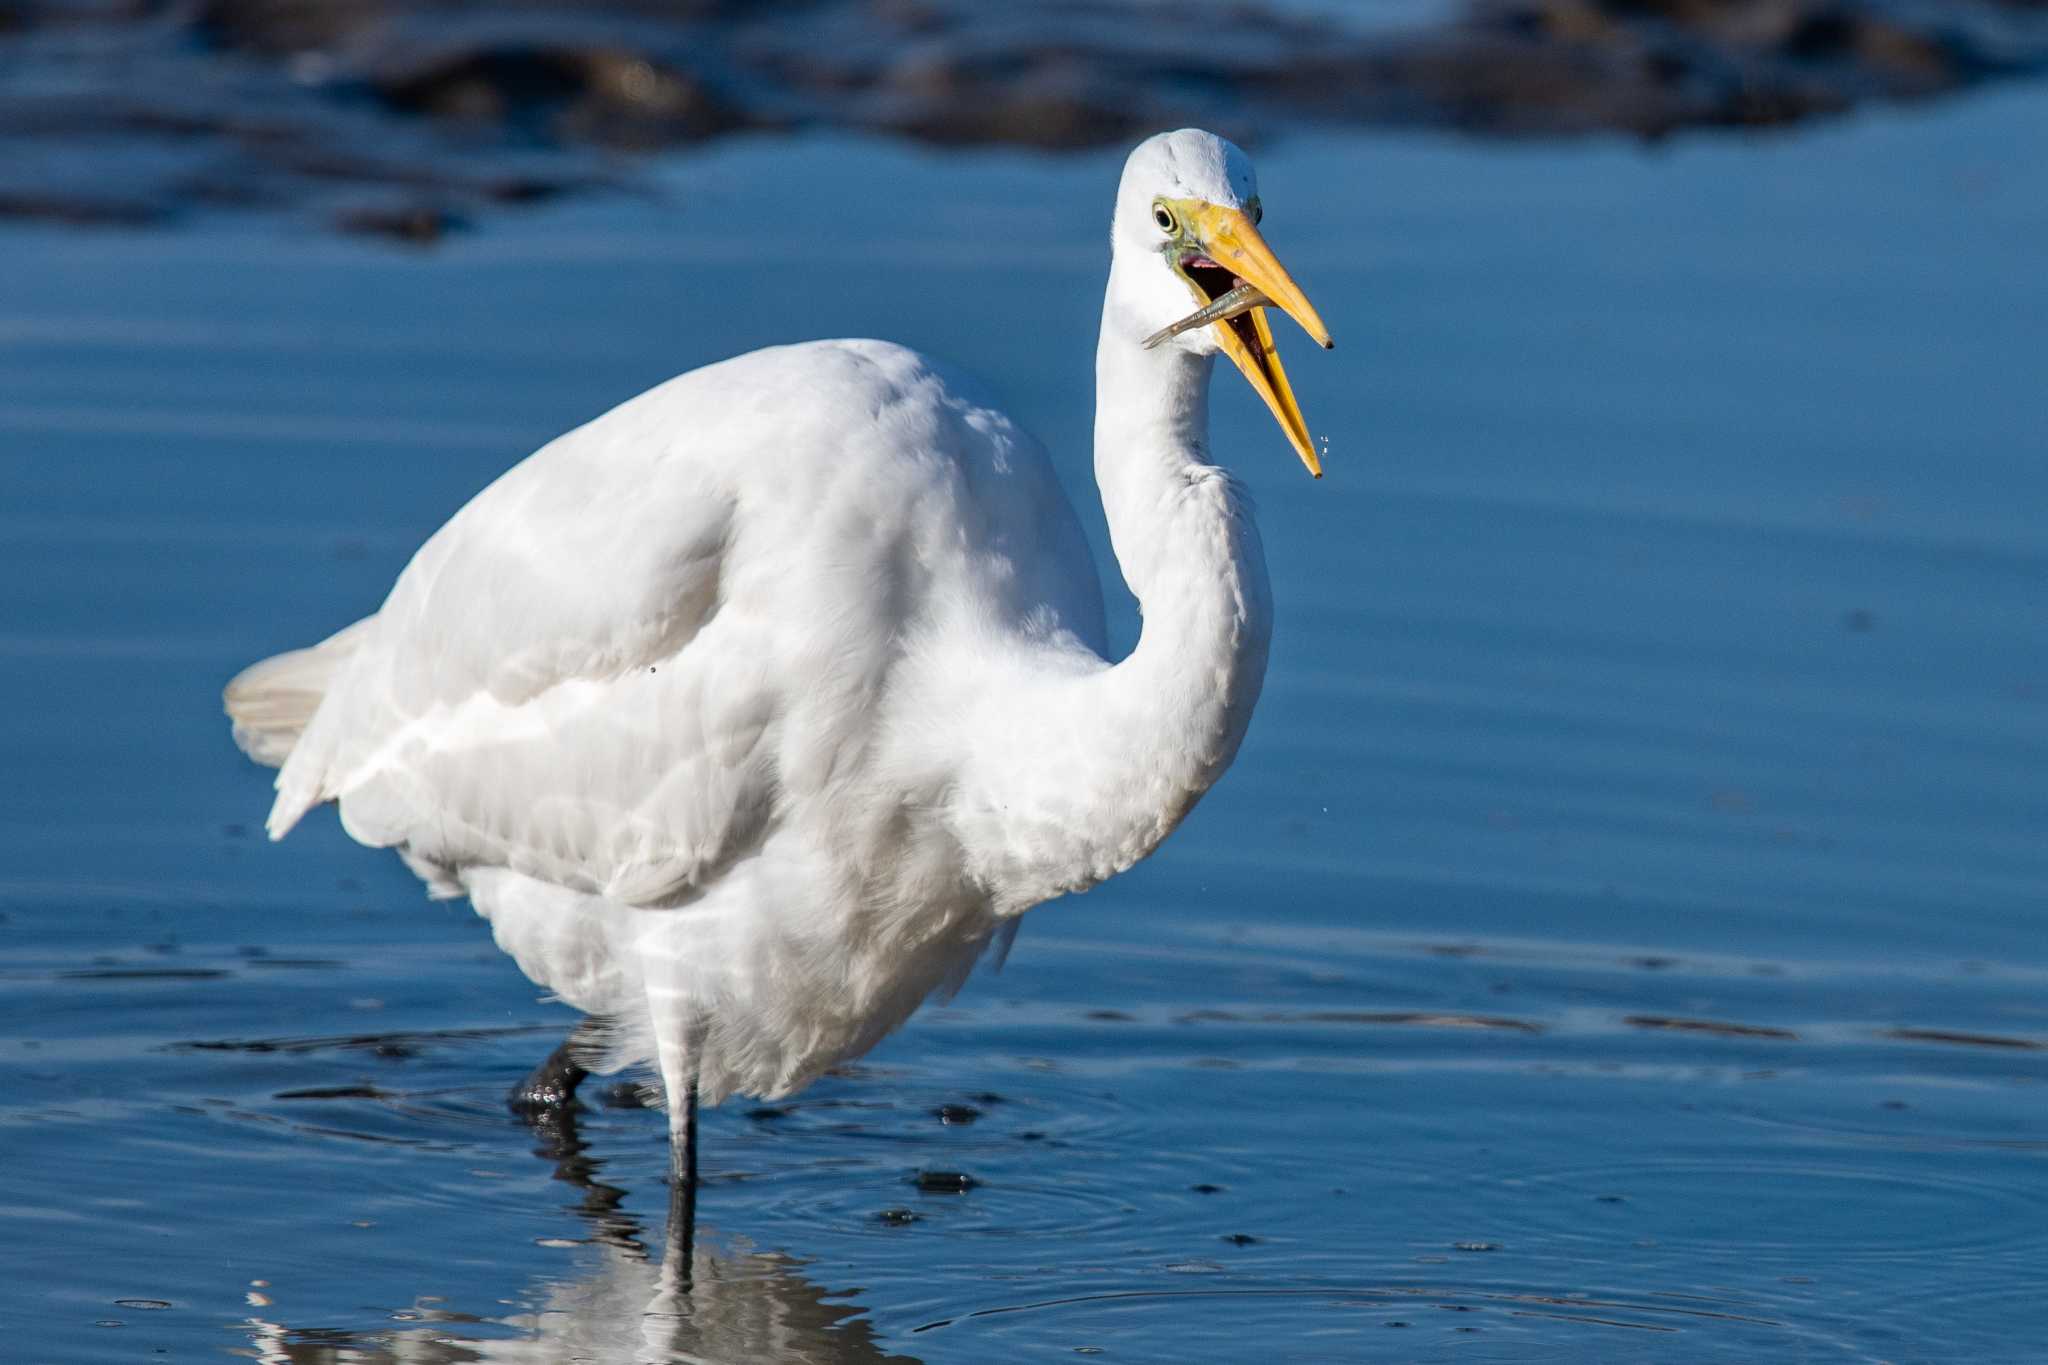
(752, 712)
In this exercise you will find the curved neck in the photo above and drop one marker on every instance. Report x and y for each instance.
(1107, 761)
(1175, 711)
(1151, 442)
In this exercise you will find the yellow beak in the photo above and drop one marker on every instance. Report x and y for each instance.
(1231, 240)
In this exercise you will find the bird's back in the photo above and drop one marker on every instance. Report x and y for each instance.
(677, 637)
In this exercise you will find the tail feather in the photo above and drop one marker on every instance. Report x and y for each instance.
(272, 702)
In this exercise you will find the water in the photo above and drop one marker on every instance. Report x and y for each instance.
(1620, 938)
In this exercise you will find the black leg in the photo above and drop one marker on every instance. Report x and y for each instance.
(551, 1087)
(682, 1191)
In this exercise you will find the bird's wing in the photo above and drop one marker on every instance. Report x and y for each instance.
(550, 686)
(618, 663)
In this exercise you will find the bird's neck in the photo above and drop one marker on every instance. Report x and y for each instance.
(1121, 754)
(1177, 708)
(1151, 448)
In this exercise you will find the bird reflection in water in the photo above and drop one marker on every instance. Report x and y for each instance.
(692, 1302)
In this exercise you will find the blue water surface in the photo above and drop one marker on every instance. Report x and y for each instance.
(1621, 938)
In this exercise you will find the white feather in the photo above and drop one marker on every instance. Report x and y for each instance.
(270, 703)
(752, 711)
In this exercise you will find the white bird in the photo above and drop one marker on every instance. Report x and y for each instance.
(755, 711)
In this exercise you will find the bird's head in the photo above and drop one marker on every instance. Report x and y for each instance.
(1194, 273)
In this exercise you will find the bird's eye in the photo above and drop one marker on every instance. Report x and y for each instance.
(1163, 216)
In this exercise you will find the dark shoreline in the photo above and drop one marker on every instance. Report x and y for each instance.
(408, 117)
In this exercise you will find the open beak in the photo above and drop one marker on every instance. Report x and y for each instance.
(1236, 255)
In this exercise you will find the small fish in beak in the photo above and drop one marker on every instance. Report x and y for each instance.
(1238, 300)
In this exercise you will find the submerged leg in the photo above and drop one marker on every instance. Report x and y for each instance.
(677, 1030)
(551, 1087)
(682, 1189)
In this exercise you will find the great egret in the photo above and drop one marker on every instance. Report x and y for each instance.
(753, 712)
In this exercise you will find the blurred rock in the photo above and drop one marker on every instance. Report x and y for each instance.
(414, 224)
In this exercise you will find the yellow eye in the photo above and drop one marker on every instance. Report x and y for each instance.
(1163, 216)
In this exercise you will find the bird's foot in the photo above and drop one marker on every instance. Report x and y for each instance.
(550, 1090)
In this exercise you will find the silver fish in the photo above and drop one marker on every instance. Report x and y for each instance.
(1239, 300)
